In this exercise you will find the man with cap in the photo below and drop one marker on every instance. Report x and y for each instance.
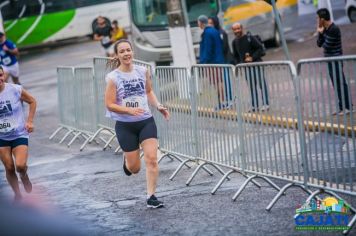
(8, 60)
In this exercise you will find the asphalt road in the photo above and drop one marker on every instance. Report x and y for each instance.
(90, 188)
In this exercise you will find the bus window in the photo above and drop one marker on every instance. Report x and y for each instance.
(148, 13)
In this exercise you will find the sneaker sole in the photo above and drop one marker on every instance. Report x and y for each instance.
(154, 207)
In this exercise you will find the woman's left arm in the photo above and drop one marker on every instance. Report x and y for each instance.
(152, 99)
(28, 98)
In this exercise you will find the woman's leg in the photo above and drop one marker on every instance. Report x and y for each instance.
(150, 147)
(21, 155)
(6, 158)
(132, 161)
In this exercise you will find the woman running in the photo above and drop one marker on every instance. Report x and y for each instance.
(14, 133)
(128, 93)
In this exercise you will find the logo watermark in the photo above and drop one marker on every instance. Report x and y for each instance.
(329, 214)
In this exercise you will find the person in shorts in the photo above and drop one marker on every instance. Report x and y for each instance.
(8, 58)
(14, 133)
(128, 93)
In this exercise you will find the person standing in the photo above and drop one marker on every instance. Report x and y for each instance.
(211, 52)
(14, 133)
(128, 93)
(117, 32)
(228, 59)
(246, 49)
(329, 38)
(102, 33)
(8, 58)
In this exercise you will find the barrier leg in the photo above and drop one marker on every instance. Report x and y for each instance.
(283, 191)
(221, 181)
(85, 143)
(172, 156)
(351, 223)
(74, 138)
(195, 173)
(227, 174)
(165, 155)
(108, 142)
(55, 132)
(179, 168)
(220, 170)
(243, 187)
(270, 182)
(66, 135)
(95, 134)
(117, 149)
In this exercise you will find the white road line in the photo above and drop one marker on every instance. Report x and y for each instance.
(4, 4)
(15, 21)
(33, 26)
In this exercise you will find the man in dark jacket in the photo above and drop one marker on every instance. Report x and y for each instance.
(246, 49)
(330, 39)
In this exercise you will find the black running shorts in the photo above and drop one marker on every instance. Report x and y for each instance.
(131, 134)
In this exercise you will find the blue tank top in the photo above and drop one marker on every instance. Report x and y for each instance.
(6, 58)
(130, 92)
(12, 120)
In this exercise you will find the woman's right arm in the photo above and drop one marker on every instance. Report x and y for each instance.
(110, 102)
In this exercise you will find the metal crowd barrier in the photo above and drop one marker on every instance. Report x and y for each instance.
(66, 93)
(328, 89)
(173, 91)
(261, 120)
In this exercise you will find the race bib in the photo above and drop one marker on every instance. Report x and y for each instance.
(7, 125)
(6, 61)
(105, 40)
(136, 101)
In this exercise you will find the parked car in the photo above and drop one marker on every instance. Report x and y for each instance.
(351, 10)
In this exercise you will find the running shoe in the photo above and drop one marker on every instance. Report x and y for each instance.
(153, 202)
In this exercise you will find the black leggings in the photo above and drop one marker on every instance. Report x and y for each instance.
(131, 134)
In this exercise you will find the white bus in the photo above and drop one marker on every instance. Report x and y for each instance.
(149, 22)
(36, 22)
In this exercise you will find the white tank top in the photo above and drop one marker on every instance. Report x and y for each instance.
(130, 92)
(12, 120)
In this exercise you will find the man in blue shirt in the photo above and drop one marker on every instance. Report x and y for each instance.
(8, 60)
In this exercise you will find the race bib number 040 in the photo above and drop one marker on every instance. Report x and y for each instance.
(135, 102)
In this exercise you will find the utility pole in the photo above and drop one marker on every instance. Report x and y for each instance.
(181, 40)
(280, 27)
(180, 34)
